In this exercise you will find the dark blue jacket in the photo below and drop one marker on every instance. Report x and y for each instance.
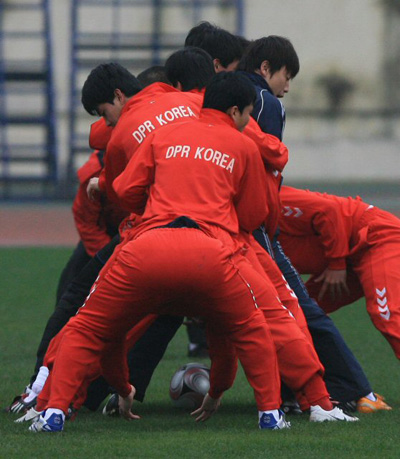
(268, 111)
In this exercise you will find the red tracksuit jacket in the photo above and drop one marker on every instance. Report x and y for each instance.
(332, 220)
(155, 106)
(172, 196)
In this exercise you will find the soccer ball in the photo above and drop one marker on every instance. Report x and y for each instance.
(189, 385)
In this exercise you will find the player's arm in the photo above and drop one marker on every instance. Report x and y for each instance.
(87, 216)
(223, 371)
(115, 370)
(251, 199)
(323, 217)
(274, 153)
(115, 162)
(131, 186)
(88, 213)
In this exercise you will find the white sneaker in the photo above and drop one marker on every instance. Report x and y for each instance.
(30, 415)
(317, 414)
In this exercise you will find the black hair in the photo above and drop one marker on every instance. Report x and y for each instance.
(191, 67)
(244, 43)
(278, 51)
(229, 89)
(219, 43)
(101, 83)
(153, 74)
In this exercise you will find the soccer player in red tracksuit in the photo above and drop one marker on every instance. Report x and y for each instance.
(298, 368)
(184, 260)
(351, 249)
(153, 107)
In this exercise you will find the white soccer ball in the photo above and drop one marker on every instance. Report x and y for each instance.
(189, 385)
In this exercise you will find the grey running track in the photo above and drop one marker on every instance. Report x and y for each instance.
(37, 225)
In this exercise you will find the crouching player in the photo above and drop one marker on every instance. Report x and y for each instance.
(184, 259)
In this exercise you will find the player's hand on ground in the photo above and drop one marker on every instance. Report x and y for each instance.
(207, 409)
(93, 188)
(125, 405)
(333, 281)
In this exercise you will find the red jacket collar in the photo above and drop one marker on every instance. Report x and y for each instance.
(153, 90)
(212, 116)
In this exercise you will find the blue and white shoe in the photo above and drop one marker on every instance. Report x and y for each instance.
(269, 421)
(54, 423)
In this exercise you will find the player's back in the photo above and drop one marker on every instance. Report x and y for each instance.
(154, 107)
(205, 169)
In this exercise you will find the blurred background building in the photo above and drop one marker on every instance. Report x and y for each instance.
(343, 109)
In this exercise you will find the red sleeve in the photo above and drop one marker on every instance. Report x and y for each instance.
(224, 363)
(102, 181)
(305, 213)
(87, 217)
(251, 200)
(114, 367)
(275, 155)
(132, 184)
(273, 152)
(99, 135)
(88, 214)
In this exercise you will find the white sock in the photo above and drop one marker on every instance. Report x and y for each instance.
(275, 413)
(51, 411)
(40, 380)
(371, 396)
(32, 395)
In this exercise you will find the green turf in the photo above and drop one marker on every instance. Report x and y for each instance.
(27, 285)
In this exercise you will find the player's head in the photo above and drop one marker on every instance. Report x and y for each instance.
(107, 89)
(233, 94)
(275, 59)
(225, 48)
(153, 74)
(189, 68)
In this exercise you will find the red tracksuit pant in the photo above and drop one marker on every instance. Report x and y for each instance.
(174, 271)
(299, 365)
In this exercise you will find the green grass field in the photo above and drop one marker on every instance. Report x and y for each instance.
(27, 285)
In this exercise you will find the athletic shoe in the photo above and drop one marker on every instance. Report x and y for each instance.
(317, 414)
(268, 421)
(348, 407)
(30, 415)
(55, 423)
(291, 407)
(19, 404)
(111, 408)
(72, 413)
(365, 405)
